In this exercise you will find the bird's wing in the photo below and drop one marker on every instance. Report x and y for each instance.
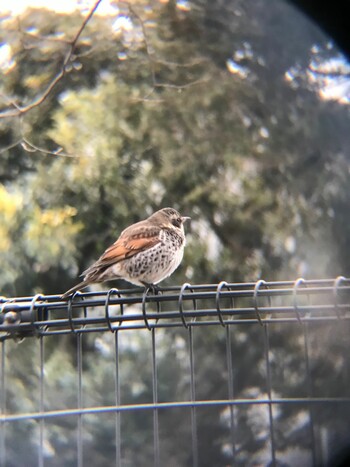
(127, 245)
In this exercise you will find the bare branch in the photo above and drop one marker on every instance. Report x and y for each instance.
(193, 63)
(11, 146)
(82, 27)
(178, 87)
(28, 146)
(182, 86)
(153, 60)
(9, 101)
(145, 39)
(72, 44)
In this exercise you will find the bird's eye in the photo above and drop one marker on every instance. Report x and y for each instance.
(177, 222)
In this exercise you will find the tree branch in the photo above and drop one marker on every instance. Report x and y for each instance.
(28, 146)
(39, 100)
(153, 60)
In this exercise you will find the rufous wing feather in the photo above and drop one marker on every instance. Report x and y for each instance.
(126, 246)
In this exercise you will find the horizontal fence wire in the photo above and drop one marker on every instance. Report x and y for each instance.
(189, 305)
(316, 311)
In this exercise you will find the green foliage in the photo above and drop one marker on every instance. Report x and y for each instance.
(151, 113)
(233, 150)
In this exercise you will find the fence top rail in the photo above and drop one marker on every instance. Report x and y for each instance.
(188, 305)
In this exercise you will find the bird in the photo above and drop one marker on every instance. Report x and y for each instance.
(144, 254)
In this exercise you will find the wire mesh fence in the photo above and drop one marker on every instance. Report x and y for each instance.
(200, 375)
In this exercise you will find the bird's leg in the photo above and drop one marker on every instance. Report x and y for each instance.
(152, 287)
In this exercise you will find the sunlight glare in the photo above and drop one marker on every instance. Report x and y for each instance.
(63, 6)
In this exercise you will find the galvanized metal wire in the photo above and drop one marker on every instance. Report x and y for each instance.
(187, 307)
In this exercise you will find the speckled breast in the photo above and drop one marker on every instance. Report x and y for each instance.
(157, 263)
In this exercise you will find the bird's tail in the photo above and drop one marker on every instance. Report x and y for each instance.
(79, 286)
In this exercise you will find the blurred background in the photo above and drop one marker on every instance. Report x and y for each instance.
(234, 112)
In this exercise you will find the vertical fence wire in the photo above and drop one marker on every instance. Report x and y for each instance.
(41, 402)
(188, 319)
(193, 398)
(117, 403)
(269, 391)
(309, 393)
(257, 288)
(2, 405)
(230, 383)
(79, 401)
(155, 401)
(305, 328)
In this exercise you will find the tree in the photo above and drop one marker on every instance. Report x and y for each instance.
(204, 106)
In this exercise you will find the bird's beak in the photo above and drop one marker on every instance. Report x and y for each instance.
(185, 218)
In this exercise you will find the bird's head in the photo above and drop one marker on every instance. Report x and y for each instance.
(169, 218)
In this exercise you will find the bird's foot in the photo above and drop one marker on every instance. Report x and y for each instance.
(151, 287)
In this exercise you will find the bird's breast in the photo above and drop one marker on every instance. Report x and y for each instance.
(153, 264)
(172, 238)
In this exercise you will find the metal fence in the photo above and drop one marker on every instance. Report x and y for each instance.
(201, 375)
